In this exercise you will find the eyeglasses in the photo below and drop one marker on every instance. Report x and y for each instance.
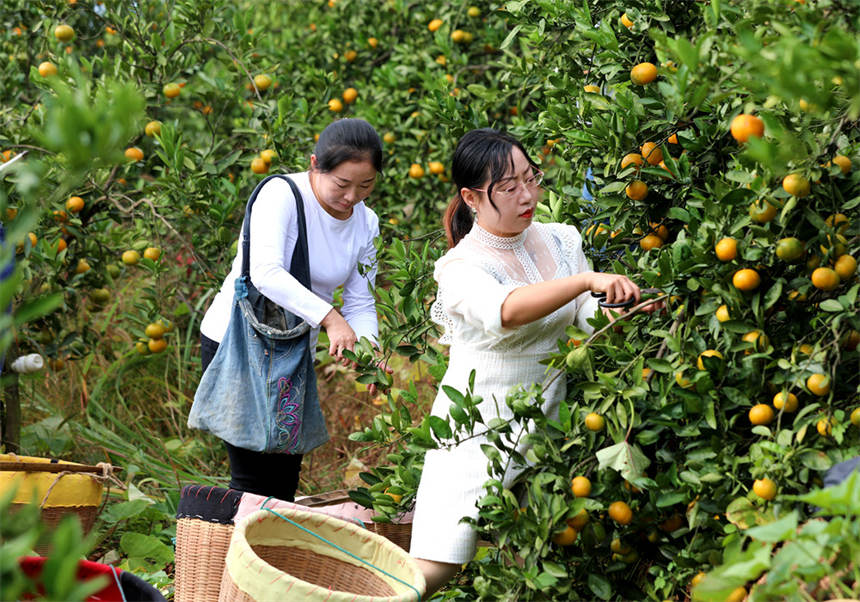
(507, 189)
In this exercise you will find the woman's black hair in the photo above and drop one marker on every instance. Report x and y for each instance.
(480, 154)
(348, 140)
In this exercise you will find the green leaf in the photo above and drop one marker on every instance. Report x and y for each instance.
(441, 428)
(779, 530)
(599, 586)
(831, 305)
(627, 459)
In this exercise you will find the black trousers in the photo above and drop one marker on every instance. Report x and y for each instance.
(275, 475)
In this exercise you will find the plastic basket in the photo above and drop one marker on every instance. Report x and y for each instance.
(281, 557)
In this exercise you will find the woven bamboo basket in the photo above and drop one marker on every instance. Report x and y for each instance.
(204, 525)
(271, 558)
(60, 488)
(399, 532)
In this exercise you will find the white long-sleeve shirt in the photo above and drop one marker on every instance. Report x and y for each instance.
(336, 248)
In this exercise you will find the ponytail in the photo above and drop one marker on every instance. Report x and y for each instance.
(458, 220)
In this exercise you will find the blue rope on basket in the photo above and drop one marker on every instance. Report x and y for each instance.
(118, 584)
(340, 549)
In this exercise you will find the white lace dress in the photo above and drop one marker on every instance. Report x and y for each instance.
(475, 278)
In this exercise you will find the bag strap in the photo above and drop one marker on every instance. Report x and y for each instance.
(300, 264)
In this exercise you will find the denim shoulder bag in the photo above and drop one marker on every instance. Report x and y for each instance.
(260, 390)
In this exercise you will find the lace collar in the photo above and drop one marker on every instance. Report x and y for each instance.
(497, 242)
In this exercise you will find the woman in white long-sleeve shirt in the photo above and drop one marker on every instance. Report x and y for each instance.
(340, 233)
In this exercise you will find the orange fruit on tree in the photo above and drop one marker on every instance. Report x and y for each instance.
(262, 81)
(637, 190)
(592, 89)
(349, 95)
(416, 171)
(153, 128)
(566, 537)
(155, 330)
(350, 55)
(61, 245)
(579, 521)
(130, 257)
(134, 154)
(825, 279)
(620, 512)
(796, 185)
(758, 339)
(707, 353)
(632, 159)
(74, 204)
(152, 253)
(594, 422)
(761, 413)
(825, 426)
(268, 155)
(764, 488)
(651, 153)
(787, 402)
(660, 230)
(64, 33)
(434, 24)
(697, 579)
(83, 267)
(838, 221)
(335, 105)
(372, 42)
(762, 211)
(746, 279)
(171, 90)
(683, 382)
(818, 384)
(745, 126)
(436, 167)
(737, 595)
(845, 267)
(389, 138)
(157, 345)
(474, 12)
(789, 249)
(651, 241)
(673, 139)
(726, 249)
(643, 73)
(855, 417)
(625, 21)
(580, 486)
(842, 161)
(47, 69)
(722, 313)
(259, 165)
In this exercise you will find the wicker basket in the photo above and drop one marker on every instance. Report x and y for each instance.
(271, 558)
(399, 532)
(60, 488)
(204, 525)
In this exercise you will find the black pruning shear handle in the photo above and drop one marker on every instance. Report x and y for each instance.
(601, 296)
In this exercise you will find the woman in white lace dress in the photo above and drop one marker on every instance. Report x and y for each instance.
(508, 288)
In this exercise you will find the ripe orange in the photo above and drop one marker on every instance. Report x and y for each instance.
(349, 95)
(746, 279)
(637, 190)
(855, 417)
(157, 345)
(660, 230)
(745, 126)
(620, 512)
(171, 90)
(153, 128)
(259, 165)
(416, 171)
(83, 267)
(566, 537)
(579, 521)
(64, 33)
(632, 159)
(787, 402)
(825, 426)
(789, 249)
(372, 42)
(764, 488)
(673, 139)
(474, 12)
(842, 161)
(434, 24)
(436, 167)
(796, 185)
(592, 89)
(130, 257)
(643, 73)
(155, 330)
(707, 353)
(651, 241)
(389, 138)
(845, 267)
(335, 105)
(737, 595)
(762, 211)
(761, 413)
(268, 155)
(152, 253)
(722, 313)
(581, 486)
(825, 279)
(625, 21)
(61, 245)
(350, 55)
(818, 384)
(262, 81)
(47, 69)
(134, 154)
(651, 153)
(758, 339)
(726, 249)
(594, 422)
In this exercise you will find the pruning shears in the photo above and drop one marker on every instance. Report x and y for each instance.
(602, 298)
